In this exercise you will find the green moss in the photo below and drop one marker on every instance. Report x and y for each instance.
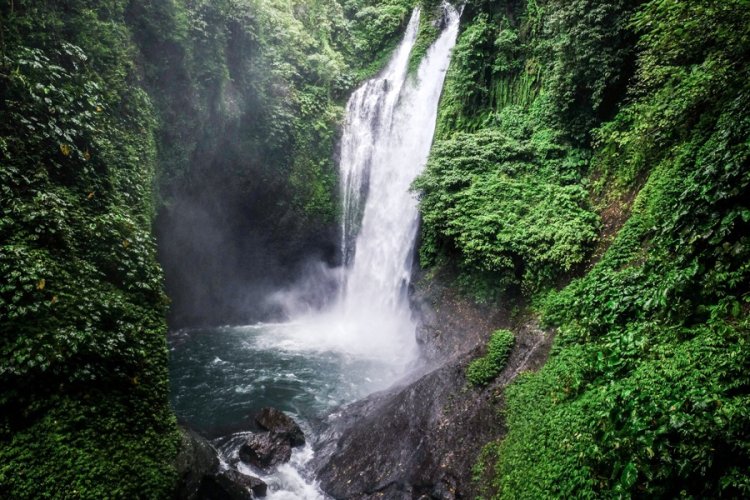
(483, 370)
(483, 470)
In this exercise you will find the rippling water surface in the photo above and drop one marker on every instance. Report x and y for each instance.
(221, 377)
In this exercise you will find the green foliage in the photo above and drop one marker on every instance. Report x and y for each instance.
(504, 202)
(584, 48)
(556, 103)
(426, 36)
(246, 91)
(505, 194)
(468, 81)
(374, 28)
(98, 444)
(483, 370)
(646, 391)
(83, 380)
(578, 53)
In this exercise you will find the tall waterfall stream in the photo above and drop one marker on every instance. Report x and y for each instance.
(365, 340)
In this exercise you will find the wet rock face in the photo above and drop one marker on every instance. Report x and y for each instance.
(200, 478)
(196, 459)
(279, 424)
(265, 450)
(420, 440)
(451, 324)
(416, 440)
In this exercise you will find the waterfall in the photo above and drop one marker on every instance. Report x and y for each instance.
(369, 113)
(386, 141)
(387, 134)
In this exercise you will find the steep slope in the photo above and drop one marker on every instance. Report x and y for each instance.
(83, 366)
(606, 142)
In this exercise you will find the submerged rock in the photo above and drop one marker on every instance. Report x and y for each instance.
(279, 424)
(266, 450)
(231, 485)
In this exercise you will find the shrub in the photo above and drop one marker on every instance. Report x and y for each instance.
(483, 370)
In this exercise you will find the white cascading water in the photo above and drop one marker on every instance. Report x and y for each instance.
(390, 123)
(386, 152)
(369, 113)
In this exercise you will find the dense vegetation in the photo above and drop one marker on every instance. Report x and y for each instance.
(524, 87)
(608, 140)
(213, 103)
(591, 158)
(83, 379)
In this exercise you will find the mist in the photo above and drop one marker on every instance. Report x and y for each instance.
(223, 266)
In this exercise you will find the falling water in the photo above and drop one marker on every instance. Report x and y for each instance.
(390, 122)
(369, 113)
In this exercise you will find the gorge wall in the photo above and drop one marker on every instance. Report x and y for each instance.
(591, 165)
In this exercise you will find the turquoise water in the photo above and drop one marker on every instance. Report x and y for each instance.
(222, 376)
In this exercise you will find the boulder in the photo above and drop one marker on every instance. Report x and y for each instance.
(231, 485)
(266, 450)
(254, 484)
(279, 424)
(196, 459)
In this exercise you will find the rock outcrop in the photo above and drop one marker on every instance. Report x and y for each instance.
(265, 450)
(421, 439)
(279, 424)
(273, 447)
(200, 477)
(231, 485)
(196, 459)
